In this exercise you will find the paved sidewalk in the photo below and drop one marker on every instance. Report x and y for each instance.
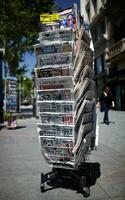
(21, 163)
(111, 156)
(113, 135)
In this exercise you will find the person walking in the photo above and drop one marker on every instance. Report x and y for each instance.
(106, 102)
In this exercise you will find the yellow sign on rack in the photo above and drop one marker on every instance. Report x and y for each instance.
(49, 18)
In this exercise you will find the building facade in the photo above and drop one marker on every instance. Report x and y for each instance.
(107, 21)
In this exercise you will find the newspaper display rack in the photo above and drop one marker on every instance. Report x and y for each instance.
(10, 102)
(65, 99)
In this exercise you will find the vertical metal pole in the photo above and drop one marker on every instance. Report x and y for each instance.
(23, 89)
(5, 93)
(33, 90)
(1, 89)
(20, 92)
(18, 96)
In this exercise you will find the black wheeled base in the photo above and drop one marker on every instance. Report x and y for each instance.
(80, 179)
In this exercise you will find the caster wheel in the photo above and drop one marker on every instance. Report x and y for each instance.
(86, 191)
(42, 185)
(95, 148)
(42, 188)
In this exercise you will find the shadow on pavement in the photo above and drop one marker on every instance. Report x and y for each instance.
(18, 127)
(15, 128)
(79, 180)
(110, 122)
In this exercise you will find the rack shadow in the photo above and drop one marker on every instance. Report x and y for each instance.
(79, 180)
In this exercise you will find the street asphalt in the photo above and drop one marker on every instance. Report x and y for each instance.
(21, 163)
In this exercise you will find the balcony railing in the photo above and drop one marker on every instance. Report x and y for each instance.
(116, 49)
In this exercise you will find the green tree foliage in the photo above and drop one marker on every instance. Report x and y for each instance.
(27, 87)
(19, 27)
(24, 87)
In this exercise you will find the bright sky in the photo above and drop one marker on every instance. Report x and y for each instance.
(30, 60)
(67, 3)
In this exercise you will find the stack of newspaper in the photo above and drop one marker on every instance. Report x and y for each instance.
(84, 98)
(65, 96)
(55, 96)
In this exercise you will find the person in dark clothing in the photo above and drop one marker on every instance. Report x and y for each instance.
(106, 102)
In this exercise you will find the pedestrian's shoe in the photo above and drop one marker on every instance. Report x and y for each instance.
(106, 122)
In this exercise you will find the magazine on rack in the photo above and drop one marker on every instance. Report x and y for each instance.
(58, 34)
(55, 130)
(54, 59)
(55, 70)
(87, 72)
(53, 47)
(59, 95)
(55, 82)
(87, 85)
(89, 95)
(83, 131)
(59, 148)
(56, 118)
(64, 107)
(84, 59)
(82, 150)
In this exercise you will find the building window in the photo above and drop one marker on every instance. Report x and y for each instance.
(94, 35)
(88, 10)
(101, 28)
(103, 62)
(100, 84)
(95, 66)
(100, 64)
(95, 5)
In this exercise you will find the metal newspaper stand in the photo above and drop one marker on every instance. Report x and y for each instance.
(65, 103)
